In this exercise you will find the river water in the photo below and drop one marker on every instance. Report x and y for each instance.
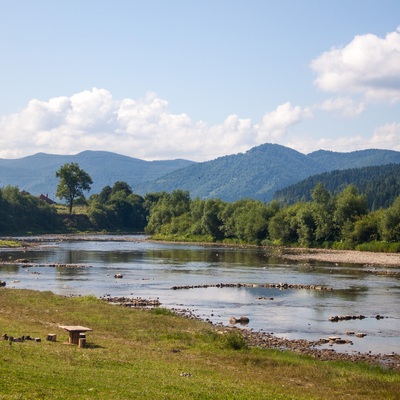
(150, 270)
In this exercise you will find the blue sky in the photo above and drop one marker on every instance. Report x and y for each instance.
(198, 79)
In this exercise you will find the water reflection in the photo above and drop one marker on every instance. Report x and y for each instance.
(150, 270)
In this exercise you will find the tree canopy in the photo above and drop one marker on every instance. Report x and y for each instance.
(73, 182)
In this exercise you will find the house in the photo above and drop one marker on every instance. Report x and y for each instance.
(46, 199)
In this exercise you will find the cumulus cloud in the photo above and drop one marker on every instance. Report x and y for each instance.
(369, 65)
(341, 143)
(345, 106)
(387, 136)
(143, 128)
(275, 124)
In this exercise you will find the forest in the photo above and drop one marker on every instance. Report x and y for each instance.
(379, 183)
(340, 220)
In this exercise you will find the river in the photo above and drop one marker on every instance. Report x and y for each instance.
(150, 270)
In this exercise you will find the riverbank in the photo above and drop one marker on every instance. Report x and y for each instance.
(258, 339)
(320, 349)
(341, 256)
(305, 255)
(148, 354)
(289, 253)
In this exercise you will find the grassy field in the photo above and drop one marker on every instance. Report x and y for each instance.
(142, 354)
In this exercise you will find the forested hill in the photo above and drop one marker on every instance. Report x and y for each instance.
(37, 173)
(355, 159)
(261, 171)
(257, 173)
(381, 185)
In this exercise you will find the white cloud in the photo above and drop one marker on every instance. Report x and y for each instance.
(143, 128)
(275, 124)
(343, 105)
(387, 137)
(369, 65)
(340, 144)
(383, 137)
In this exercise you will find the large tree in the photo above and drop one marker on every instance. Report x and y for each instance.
(73, 181)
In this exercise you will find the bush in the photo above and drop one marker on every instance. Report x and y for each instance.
(382, 247)
(161, 311)
(234, 341)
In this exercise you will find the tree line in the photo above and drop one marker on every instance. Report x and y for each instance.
(22, 213)
(340, 220)
(380, 184)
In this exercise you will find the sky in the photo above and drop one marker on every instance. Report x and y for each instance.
(198, 79)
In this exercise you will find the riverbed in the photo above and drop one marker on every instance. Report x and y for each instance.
(293, 298)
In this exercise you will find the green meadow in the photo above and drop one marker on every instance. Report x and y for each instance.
(155, 354)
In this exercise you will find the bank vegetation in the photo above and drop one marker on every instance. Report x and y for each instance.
(334, 221)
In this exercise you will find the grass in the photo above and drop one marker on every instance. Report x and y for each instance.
(142, 354)
(380, 247)
(10, 243)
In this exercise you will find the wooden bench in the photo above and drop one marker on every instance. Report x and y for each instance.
(74, 332)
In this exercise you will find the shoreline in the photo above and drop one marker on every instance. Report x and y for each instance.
(365, 258)
(265, 340)
(378, 262)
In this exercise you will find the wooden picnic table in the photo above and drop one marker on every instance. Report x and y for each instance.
(74, 332)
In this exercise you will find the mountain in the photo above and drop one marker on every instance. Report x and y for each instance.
(257, 173)
(254, 174)
(356, 159)
(261, 171)
(380, 184)
(36, 173)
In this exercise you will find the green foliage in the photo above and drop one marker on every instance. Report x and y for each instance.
(88, 299)
(349, 205)
(380, 184)
(167, 206)
(341, 220)
(390, 222)
(379, 247)
(73, 182)
(234, 341)
(10, 243)
(22, 213)
(283, 225)
(161, 311)
(366, 228)
(117, 208)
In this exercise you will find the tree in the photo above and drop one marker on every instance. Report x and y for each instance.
(349, 205)
(390, 223)
(73, 181)
(322, 209)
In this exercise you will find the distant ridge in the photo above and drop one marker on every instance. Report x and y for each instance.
(261, 171)
(257, 173)
(254, 174)
(36, 173)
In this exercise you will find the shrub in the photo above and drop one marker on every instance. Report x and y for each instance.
(234, 341)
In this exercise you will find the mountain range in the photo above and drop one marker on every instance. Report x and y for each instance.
(37, 173)
(257, 173)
